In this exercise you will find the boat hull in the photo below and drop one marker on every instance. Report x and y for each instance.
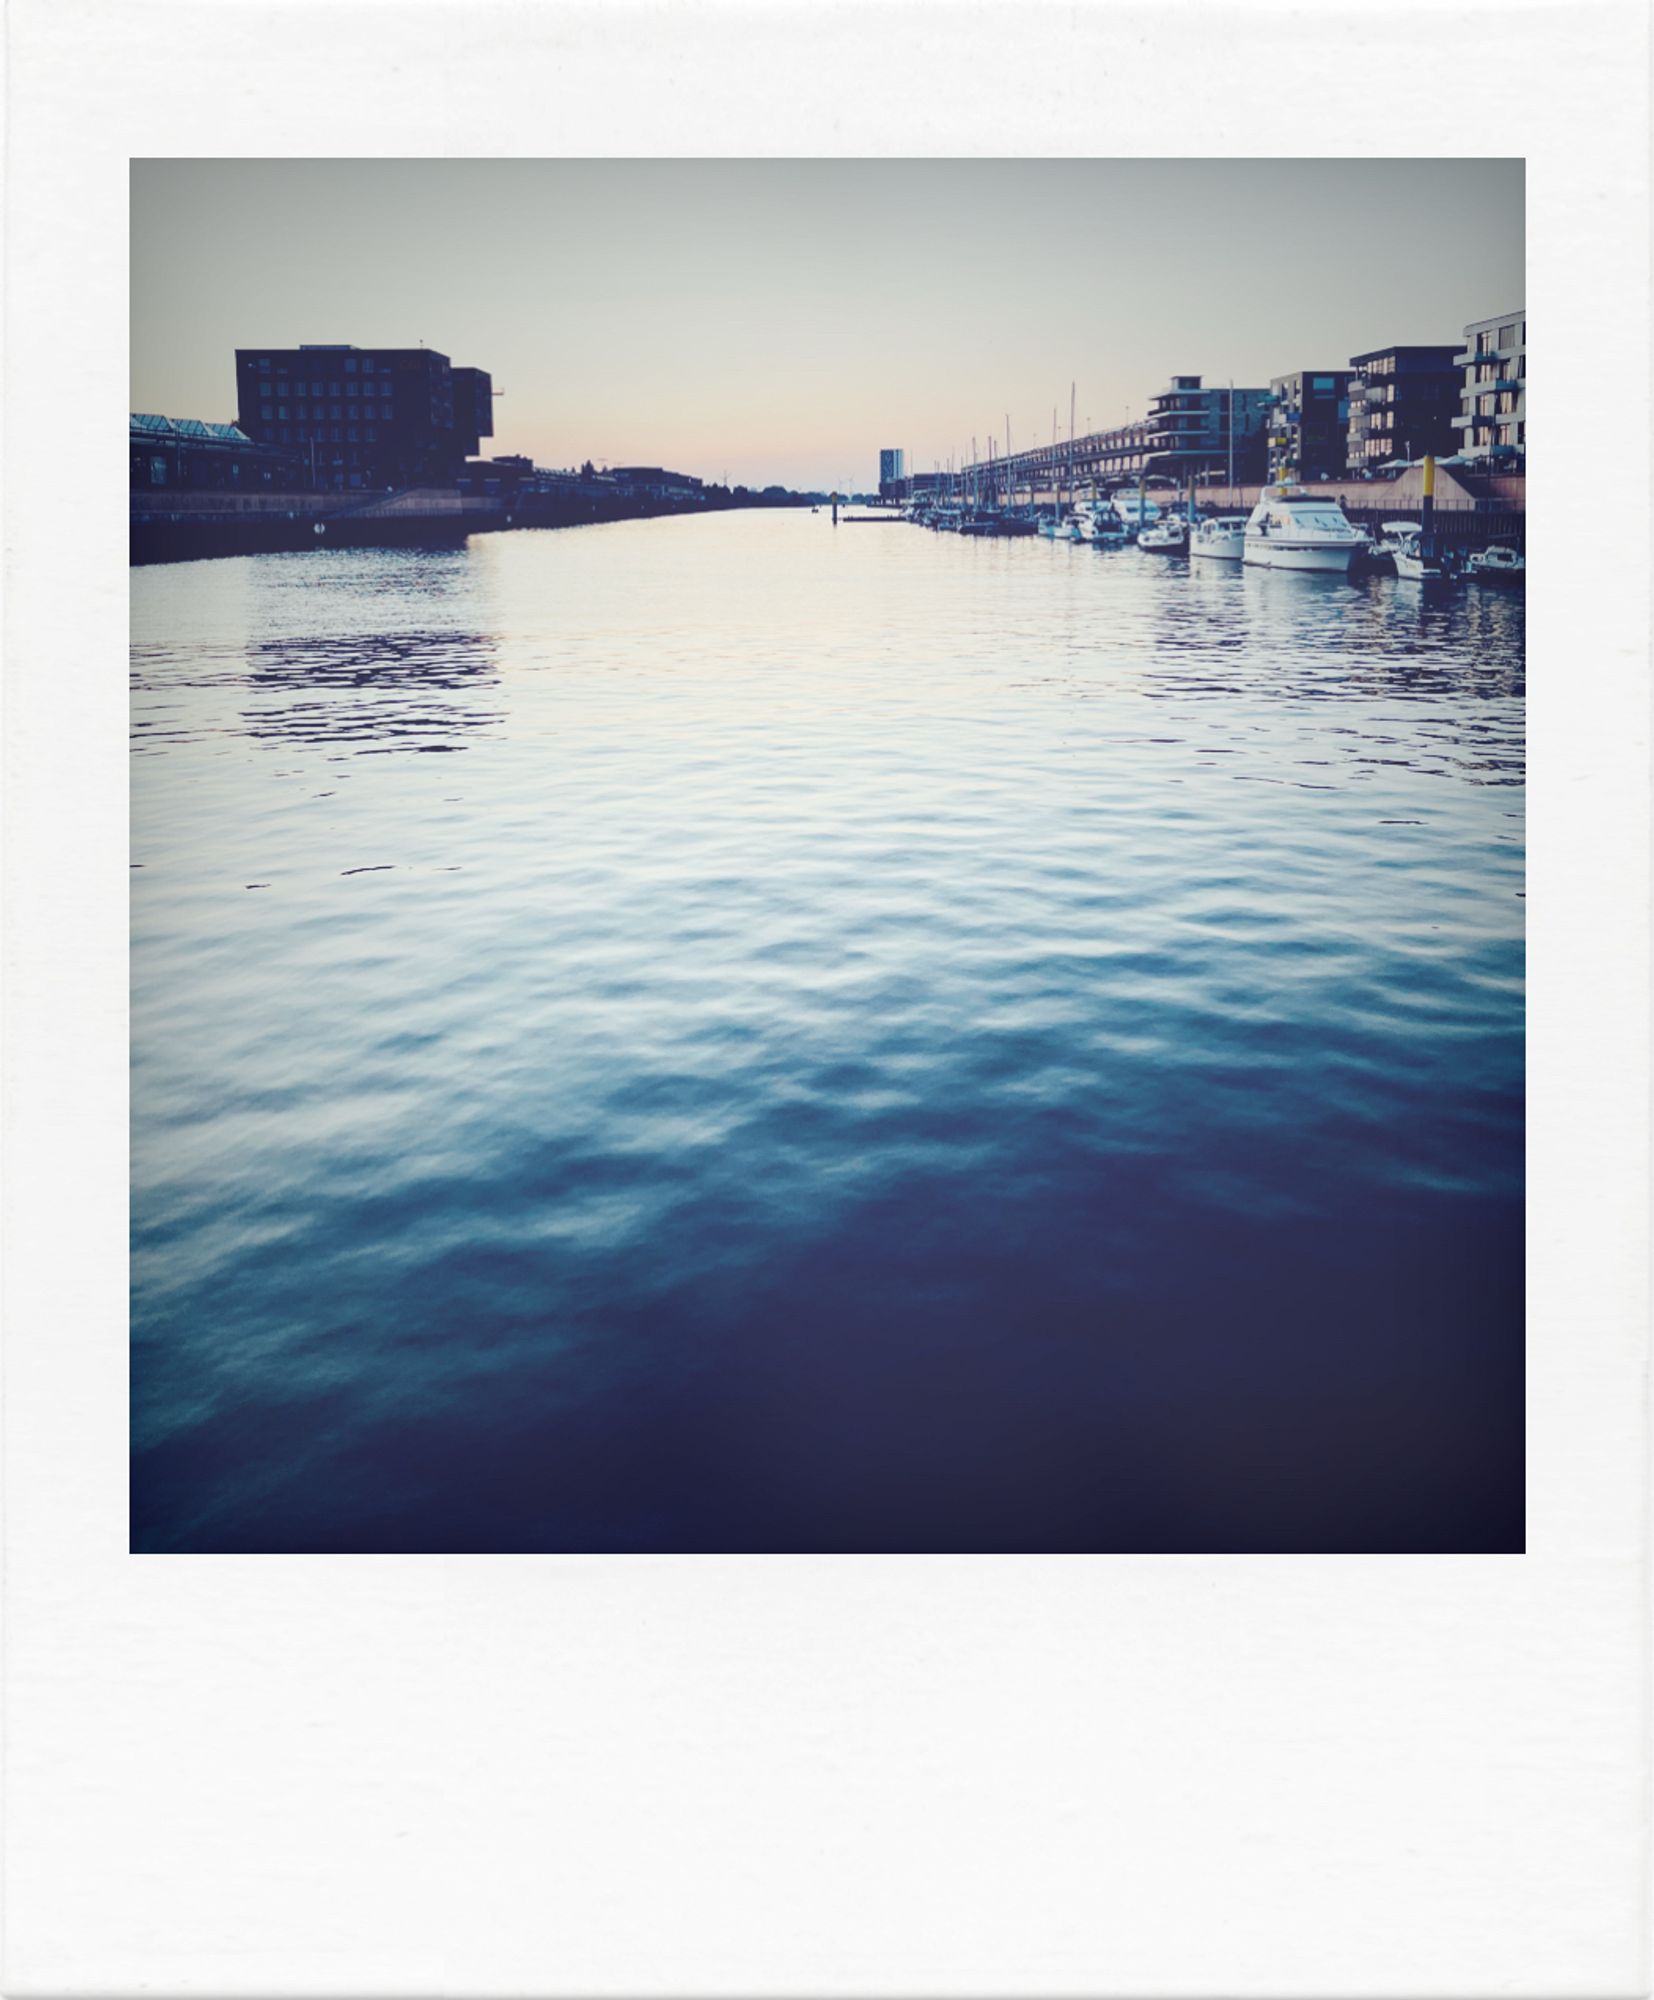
(1272, 552)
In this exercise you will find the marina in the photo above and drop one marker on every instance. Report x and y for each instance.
(1290, 527)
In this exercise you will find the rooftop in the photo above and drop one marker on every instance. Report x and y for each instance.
(186, 427)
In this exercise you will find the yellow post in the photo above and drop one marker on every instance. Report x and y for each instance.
(1429, 475)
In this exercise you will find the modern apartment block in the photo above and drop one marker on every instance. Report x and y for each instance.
(367, 419)
(1403, 401)
(1309, 421)
(892, 473)
(1191, 428)
(1493, 397)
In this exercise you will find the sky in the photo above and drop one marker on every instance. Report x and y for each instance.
(779, 321)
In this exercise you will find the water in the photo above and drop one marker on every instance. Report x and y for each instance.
(729, 1035)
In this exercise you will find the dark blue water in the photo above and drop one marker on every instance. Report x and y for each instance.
(726, 1035)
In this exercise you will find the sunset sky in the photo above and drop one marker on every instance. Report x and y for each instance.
(783, 320)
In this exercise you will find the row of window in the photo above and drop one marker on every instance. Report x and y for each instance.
(327, 434)
(376, 411)
(350, 364)
(1488, 342)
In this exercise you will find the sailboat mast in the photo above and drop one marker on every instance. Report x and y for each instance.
(1071, 444)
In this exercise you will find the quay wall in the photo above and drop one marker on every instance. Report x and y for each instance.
(210, 524)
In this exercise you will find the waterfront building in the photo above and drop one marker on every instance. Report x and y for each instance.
(496, 478)
(1402, 404)
(654, 482)
(1190, 429)
(366, 418)
(892, 472)
(1493, 397)
(1124, 453)
(1309, 422)
(473, 409)
(183, 454)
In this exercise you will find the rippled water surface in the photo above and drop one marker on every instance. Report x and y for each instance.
(726, 1035)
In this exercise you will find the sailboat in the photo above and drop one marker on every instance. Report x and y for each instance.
(1052, 525)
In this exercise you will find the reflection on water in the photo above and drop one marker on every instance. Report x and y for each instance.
(879, 1042)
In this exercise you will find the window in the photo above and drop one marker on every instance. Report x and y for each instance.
(157, 472)
(351, 433)
(333, 388)
(335, 411)
(281, 409)
(1507, 335)
(350, 364)
(304, 412)
(266, 412)
(1484, 342)
(367, 364)
(264, 364)
(373, 435)
(353, 410)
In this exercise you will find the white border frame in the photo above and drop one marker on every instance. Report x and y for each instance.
(492, 1776)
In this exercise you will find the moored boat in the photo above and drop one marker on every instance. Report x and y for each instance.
(1414, 561)
(1497, 565)
(1134, 510)
(1221, 537)
(1167, 537)
(1293, 528)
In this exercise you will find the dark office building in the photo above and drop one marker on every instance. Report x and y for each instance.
(1309, 425)
(392, 416)
(473, 408)
(182, 454)
(1194, 430)
(1402, 404)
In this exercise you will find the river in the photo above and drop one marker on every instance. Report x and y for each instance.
(731, 1034)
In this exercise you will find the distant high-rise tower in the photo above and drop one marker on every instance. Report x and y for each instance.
(892, 469)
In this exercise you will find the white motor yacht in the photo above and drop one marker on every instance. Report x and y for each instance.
(1293, 528)
(1166, 537)
(1220, 536)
